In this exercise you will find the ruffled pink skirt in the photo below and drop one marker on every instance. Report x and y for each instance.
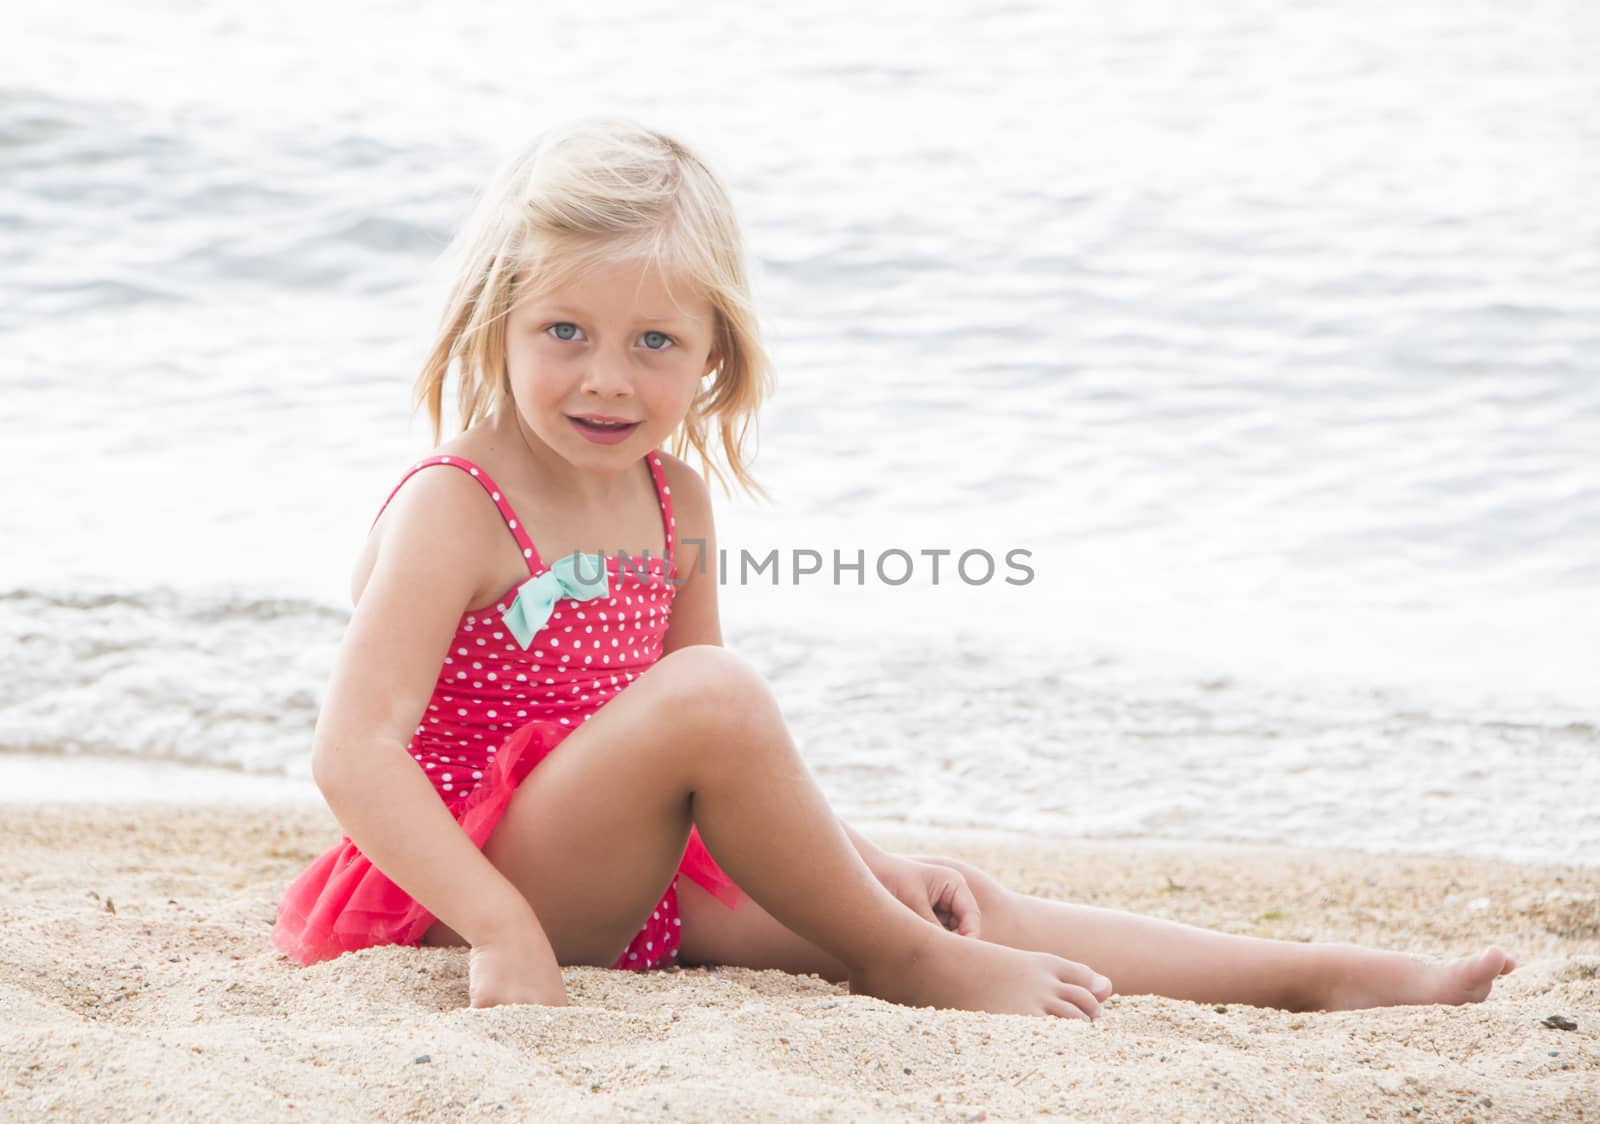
(341, 902)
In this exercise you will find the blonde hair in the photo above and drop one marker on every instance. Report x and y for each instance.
(597, 191)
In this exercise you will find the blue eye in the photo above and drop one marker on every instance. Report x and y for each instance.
(568, 332)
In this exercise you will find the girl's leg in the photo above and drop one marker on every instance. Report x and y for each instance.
(747, 937)
(1148, 955)
(592, 836)
(1141, 955)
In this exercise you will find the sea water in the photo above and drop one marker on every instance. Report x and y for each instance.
(1268, 335)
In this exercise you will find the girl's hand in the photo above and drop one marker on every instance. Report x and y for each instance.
(521, 968)
(937, 894)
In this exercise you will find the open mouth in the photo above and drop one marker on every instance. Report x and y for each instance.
(603, 433)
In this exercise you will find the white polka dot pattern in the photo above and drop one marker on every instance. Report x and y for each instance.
(586, 654)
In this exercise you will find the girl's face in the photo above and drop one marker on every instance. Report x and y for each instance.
(617, 344)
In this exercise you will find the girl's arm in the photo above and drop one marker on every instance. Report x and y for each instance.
(437, 531)
(695, 619)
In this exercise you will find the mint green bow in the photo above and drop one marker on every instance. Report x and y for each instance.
(581, 577)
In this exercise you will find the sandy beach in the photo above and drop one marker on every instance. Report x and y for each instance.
(138, 983)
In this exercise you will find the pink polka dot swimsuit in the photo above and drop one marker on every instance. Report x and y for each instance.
(497, 709)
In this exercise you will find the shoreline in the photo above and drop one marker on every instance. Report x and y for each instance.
(139, 981)
(69, 779)
(40, 781)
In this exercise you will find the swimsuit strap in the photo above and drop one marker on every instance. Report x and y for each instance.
(529, 554)
(664, 494)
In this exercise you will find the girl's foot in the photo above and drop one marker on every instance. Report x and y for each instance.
(944, 970)
(1369, 978)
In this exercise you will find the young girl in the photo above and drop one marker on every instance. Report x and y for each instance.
(527, 592)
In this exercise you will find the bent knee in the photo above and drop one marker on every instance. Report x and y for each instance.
(715, 686)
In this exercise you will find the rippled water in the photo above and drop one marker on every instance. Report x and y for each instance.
(1271, 335)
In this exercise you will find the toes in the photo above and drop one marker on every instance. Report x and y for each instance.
(1492, 956)
(1081, 999)
(1064, 1010)
(1081, 975)
(1475, 975)
(1506, 962)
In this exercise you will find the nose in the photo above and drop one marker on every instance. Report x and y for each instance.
(607, 375)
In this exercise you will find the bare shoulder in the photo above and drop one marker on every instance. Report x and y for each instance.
(695, 615)
(441, 529)
(425, 561)
(691, 498)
